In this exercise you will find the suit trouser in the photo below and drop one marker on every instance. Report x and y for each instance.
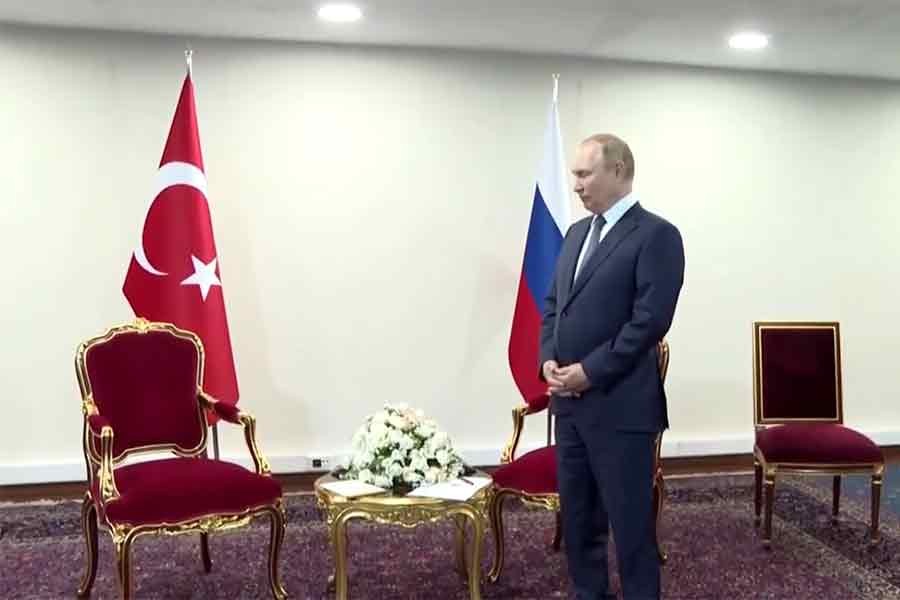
(606, 477)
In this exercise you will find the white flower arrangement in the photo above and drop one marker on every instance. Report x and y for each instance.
(397, 447)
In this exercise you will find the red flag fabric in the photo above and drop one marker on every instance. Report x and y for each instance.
(174, 271)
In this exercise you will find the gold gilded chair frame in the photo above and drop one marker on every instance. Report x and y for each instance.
(551, 501)
(101, 465)
(766, 472)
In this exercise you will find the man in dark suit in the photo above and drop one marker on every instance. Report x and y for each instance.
(613, 297)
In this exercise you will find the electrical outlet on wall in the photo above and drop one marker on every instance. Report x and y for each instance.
(320, 462)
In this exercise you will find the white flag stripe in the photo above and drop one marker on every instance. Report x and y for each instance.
(552, 180)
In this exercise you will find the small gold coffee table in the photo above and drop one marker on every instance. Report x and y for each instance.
(408, 512)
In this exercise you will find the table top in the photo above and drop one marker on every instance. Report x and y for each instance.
(388, 498)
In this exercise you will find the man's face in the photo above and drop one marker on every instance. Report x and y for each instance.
(596, 183)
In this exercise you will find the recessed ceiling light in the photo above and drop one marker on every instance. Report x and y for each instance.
(748, 40)
(340, 13)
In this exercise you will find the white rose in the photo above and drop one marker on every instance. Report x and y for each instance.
(395, 470)
(442, 456)
(396, 436)
(382, 481)
(399, 422)
(359, 439)
(365, 476)
(411, 475)
(432, 475)
(378, 429)
(425, 430)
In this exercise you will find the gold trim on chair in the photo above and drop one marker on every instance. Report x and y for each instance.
(759, 419)
(101, 466)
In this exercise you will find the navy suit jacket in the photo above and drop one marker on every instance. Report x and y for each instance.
(611, 319)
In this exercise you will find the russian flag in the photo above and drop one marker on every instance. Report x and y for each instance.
(550, 218)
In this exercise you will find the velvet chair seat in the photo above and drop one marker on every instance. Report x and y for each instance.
(531, 473)
(819, 444)
(176, 490)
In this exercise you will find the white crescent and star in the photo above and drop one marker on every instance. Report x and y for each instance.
(168, 175)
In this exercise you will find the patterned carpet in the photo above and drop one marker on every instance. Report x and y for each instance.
(714, 552)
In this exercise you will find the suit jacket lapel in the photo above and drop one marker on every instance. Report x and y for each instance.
(628, 223)
(571, 258)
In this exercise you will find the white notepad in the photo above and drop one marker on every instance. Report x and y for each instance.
(352, 488)
(455, 489)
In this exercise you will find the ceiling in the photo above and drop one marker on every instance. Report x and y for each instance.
(845, 37)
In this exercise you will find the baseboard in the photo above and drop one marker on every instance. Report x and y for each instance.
(74, 471)
(700, 454)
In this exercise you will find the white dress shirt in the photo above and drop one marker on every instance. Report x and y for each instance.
(612, 216)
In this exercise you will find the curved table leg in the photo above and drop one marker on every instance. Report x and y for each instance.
(339, 542)
(472, 560)
(460, 544)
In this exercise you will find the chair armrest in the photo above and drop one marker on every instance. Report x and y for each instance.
(98, 426)
(106, 473)
(518, 416)
(223, 410)
(96, 423)
(230, 413)
(538, 403)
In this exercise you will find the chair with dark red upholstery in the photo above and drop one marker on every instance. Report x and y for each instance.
(141, 392)
(532, 476)
(799, 414)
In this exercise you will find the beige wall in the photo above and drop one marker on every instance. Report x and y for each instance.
(370, 207)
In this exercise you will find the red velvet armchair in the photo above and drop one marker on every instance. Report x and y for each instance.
(532, 476)
(141, 392)
(798, 415)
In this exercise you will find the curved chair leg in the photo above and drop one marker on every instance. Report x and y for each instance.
(836, 498)
(757, 491)
(496, 515)
(204, 552)
(876, 505)
(770, 500)
(123, 565)
(659, 497)
(276, 538)
(89, 524)
(557, 536)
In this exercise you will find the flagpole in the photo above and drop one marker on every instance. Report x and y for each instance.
(188, 63)
(549, 413)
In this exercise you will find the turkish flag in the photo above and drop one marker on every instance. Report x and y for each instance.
(174, 271)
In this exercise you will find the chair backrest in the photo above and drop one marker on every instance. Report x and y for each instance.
(797, 373)
(144, 378)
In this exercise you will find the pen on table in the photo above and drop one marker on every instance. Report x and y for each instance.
(467, 481)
